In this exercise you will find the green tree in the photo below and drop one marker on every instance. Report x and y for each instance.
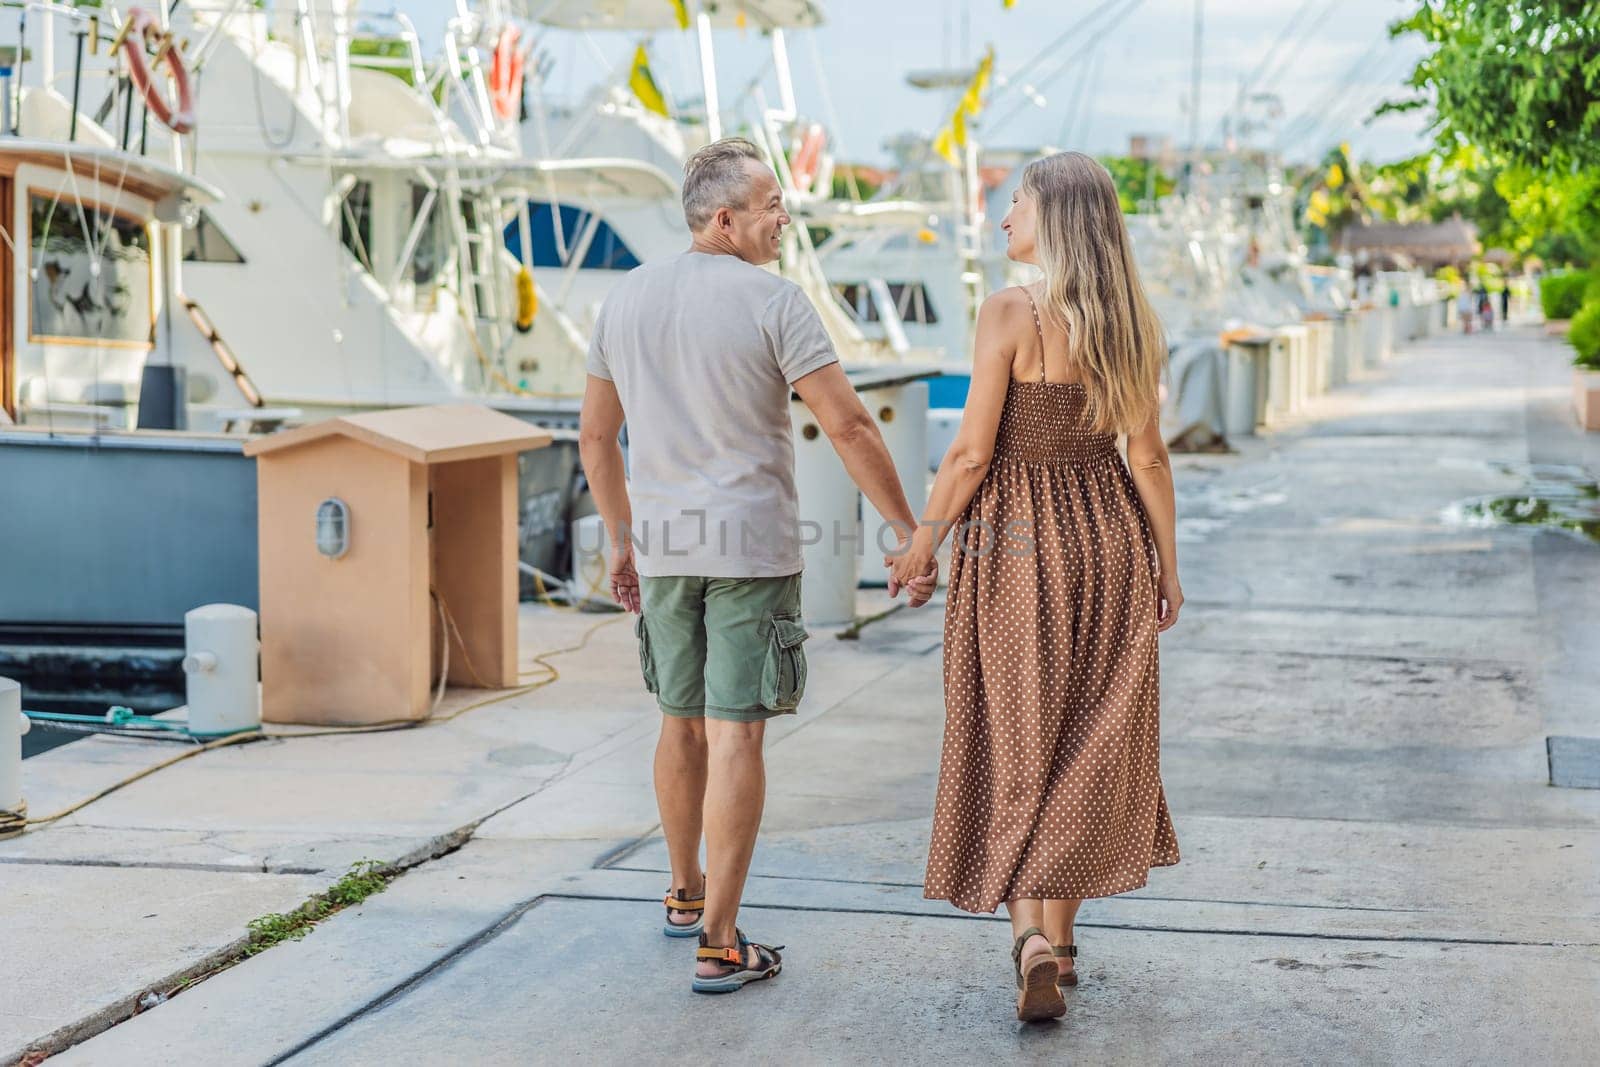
(1553, 216)
(1138, 180)
(1519, 79)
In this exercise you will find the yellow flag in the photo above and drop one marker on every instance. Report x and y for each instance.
(972, 99)
(1009, 4)
(644, 85)
(1335, 176)
(958, 127)
(954, 133)
(683, 13)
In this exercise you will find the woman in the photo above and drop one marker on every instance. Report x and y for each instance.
(1065, 569)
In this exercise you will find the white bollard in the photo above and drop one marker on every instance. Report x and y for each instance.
(221, 665)
(830, 532)
(13, 724)
(1295, 341)
(591, 557)
(1241, 410)
(1279, 392)
(1339, 349)
(902, 417)
(943, 424)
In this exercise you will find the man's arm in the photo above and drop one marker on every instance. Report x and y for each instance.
(842, 416)
(599, 423)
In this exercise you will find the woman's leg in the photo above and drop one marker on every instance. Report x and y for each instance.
(1059, 915)
(1026, 913)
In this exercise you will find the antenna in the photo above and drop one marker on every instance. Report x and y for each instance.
(1194, 87)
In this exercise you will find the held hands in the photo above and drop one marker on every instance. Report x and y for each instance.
(915, 570)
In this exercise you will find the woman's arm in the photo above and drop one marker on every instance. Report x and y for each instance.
(967, 462)
(1152, 477)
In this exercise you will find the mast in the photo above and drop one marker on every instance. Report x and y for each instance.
(708, 76)
(1194, 89)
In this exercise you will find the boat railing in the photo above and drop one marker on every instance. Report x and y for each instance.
(37, 23)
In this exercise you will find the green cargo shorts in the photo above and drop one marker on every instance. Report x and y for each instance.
(722, 648)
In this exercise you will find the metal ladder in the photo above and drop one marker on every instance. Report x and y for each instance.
(482, 288)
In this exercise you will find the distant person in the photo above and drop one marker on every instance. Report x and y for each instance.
(1465, 304)
(1505, 304)
(1063, 572)
(699, 352)
(1485, 307)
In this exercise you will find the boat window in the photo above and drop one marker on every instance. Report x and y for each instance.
(355, 222)
(606, 252)
(911, 300)
(89, 271)
(428, 259)
(204, 242)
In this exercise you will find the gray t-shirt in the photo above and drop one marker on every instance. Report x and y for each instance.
(702, 349)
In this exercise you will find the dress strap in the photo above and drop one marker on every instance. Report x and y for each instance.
(1038, 328)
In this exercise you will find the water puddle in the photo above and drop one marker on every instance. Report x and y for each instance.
(1206, 509)
(1562, 498)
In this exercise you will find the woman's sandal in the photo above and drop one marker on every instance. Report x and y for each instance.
(679, 901)
(1038, 996)
(1070, 976)
(762, 961)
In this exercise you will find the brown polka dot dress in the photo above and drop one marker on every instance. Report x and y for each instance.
(1050, 780)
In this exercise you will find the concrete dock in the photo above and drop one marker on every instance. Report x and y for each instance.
(1356, 706)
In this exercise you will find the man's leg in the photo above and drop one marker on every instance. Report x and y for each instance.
(755, 669)
(672, 655)
(680, 777)
(736, 790)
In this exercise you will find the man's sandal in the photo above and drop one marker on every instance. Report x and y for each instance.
(680, 902)
(1070, 976)
(754, 965)
(1038, 996)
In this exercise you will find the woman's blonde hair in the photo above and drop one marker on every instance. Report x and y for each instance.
(1092, 289)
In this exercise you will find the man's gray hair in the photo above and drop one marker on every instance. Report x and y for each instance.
(715, 177)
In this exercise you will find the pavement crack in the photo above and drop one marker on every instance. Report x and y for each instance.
(1155, 928)
(402, 988)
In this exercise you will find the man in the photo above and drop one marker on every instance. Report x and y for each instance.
(700, 352)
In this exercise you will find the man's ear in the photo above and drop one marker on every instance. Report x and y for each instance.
(723, 219)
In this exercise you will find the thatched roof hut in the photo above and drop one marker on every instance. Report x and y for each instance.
(1427, 244)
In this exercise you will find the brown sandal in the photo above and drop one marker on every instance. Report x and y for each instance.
(742, 964)
(1038, 996)
(1069, 976)
(681, 903)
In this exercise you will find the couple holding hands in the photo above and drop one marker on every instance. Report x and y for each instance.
(1049, 785)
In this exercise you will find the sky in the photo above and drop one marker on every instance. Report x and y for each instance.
(850, 74)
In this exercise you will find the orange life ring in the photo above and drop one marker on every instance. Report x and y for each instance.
(809, 156)
(141, 29)
(505, 75)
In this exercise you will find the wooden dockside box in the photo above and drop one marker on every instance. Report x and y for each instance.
(380, 534)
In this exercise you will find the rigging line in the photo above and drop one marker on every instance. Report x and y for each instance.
(1093, 37)
(1115, 19)
(1060, 40)
(1098, 63)
(1309, 114)
(1079, 87)
(1382, 79)
(1336, 124)
(1355, 73)
(1267, 59)
(832, 115)
(1271, 79)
